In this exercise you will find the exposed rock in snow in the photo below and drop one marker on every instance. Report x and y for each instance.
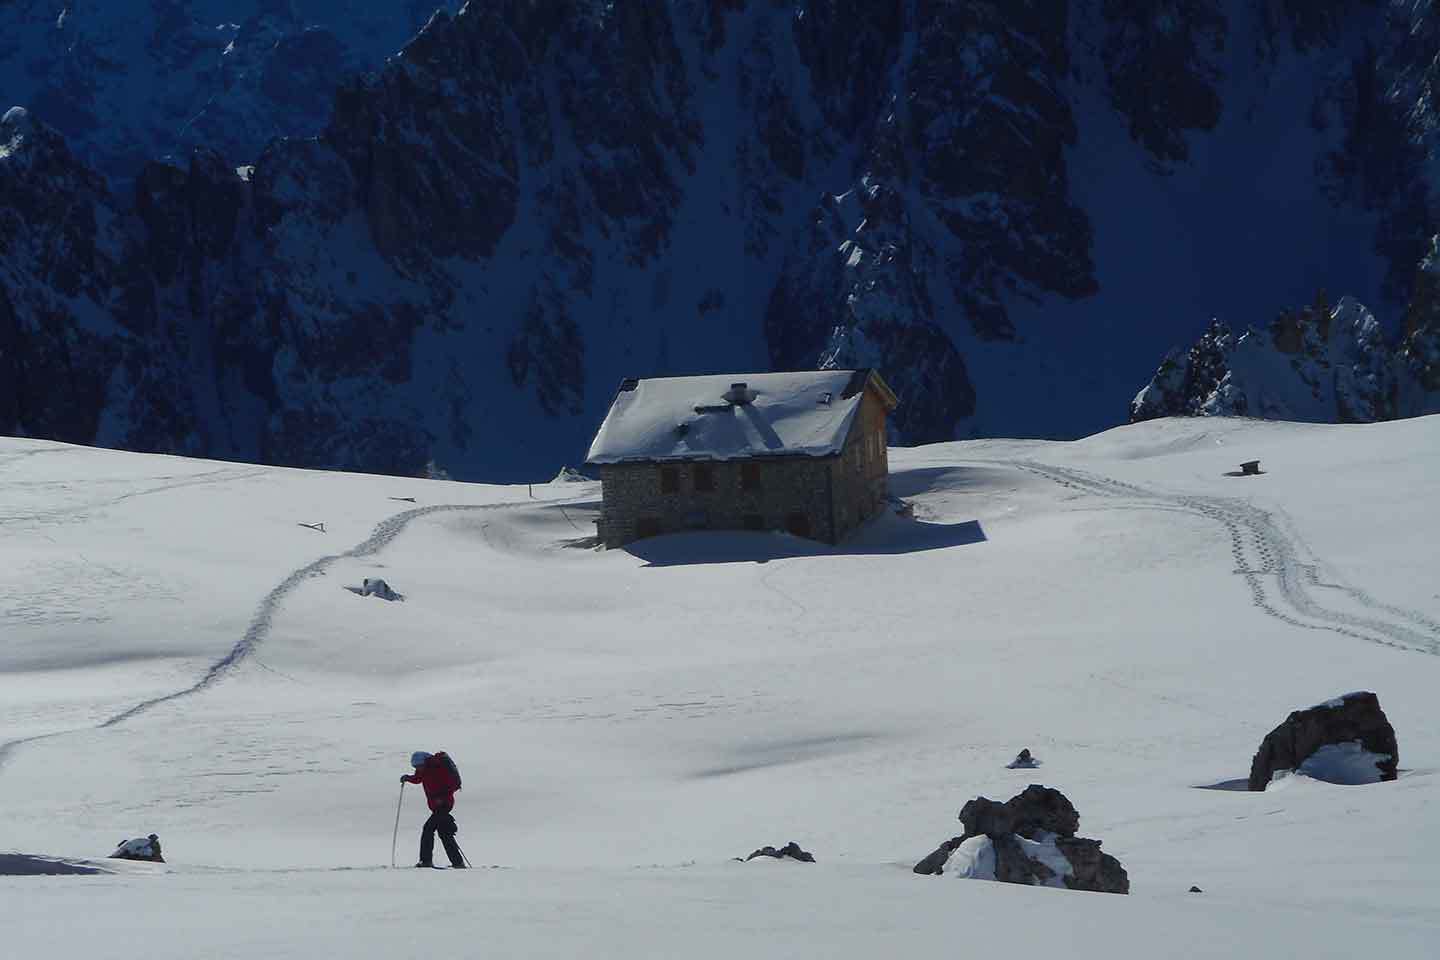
(1035, 809)
(1023, 761)
(1029, 839)
(790, 851)
(375, 587)
(1344, 740)
(141, 848)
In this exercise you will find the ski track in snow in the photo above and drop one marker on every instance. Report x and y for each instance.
(264, 616)
(1280, 583)
(194, 480)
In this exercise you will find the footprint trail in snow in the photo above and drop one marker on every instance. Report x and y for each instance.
(1281, 584)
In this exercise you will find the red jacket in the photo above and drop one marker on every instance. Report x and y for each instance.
(439, 781)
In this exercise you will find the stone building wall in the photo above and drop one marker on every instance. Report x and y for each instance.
(634, 505)
(834, 495)
(860, 477)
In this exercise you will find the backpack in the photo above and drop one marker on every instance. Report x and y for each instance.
(444, 757)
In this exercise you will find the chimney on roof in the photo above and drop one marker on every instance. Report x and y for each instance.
(739, 394)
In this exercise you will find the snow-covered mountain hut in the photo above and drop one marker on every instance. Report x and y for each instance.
(803, 452)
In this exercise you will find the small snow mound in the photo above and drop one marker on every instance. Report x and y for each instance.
(569, 474)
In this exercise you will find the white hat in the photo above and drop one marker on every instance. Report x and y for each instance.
(418, 758)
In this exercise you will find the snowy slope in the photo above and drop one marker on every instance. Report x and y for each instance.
(179, 656)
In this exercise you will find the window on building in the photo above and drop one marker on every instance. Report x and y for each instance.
(798, 524)
(749, 476)
(753, 521)
(704, 477)
(669, 479)
(647, 527)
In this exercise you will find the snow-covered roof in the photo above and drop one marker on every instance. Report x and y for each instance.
(807, 413)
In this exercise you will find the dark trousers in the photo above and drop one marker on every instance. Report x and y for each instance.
(441, 822)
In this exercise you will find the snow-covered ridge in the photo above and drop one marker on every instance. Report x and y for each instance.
(1321, 364)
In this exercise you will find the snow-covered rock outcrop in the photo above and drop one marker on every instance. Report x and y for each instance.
(1319, 364)
(376, 587)
(1345, 740)
(1029, 839)
(140, 848)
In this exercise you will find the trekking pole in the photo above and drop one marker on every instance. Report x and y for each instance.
(464, 858)
(394, 837)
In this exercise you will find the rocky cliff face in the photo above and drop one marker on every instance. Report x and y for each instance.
(1417, 360)
(455, 255)
(59, 340)
(127, 83)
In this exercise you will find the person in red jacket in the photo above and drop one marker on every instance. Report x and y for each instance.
(437, 774)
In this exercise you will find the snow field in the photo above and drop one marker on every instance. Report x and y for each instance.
(626, 721)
